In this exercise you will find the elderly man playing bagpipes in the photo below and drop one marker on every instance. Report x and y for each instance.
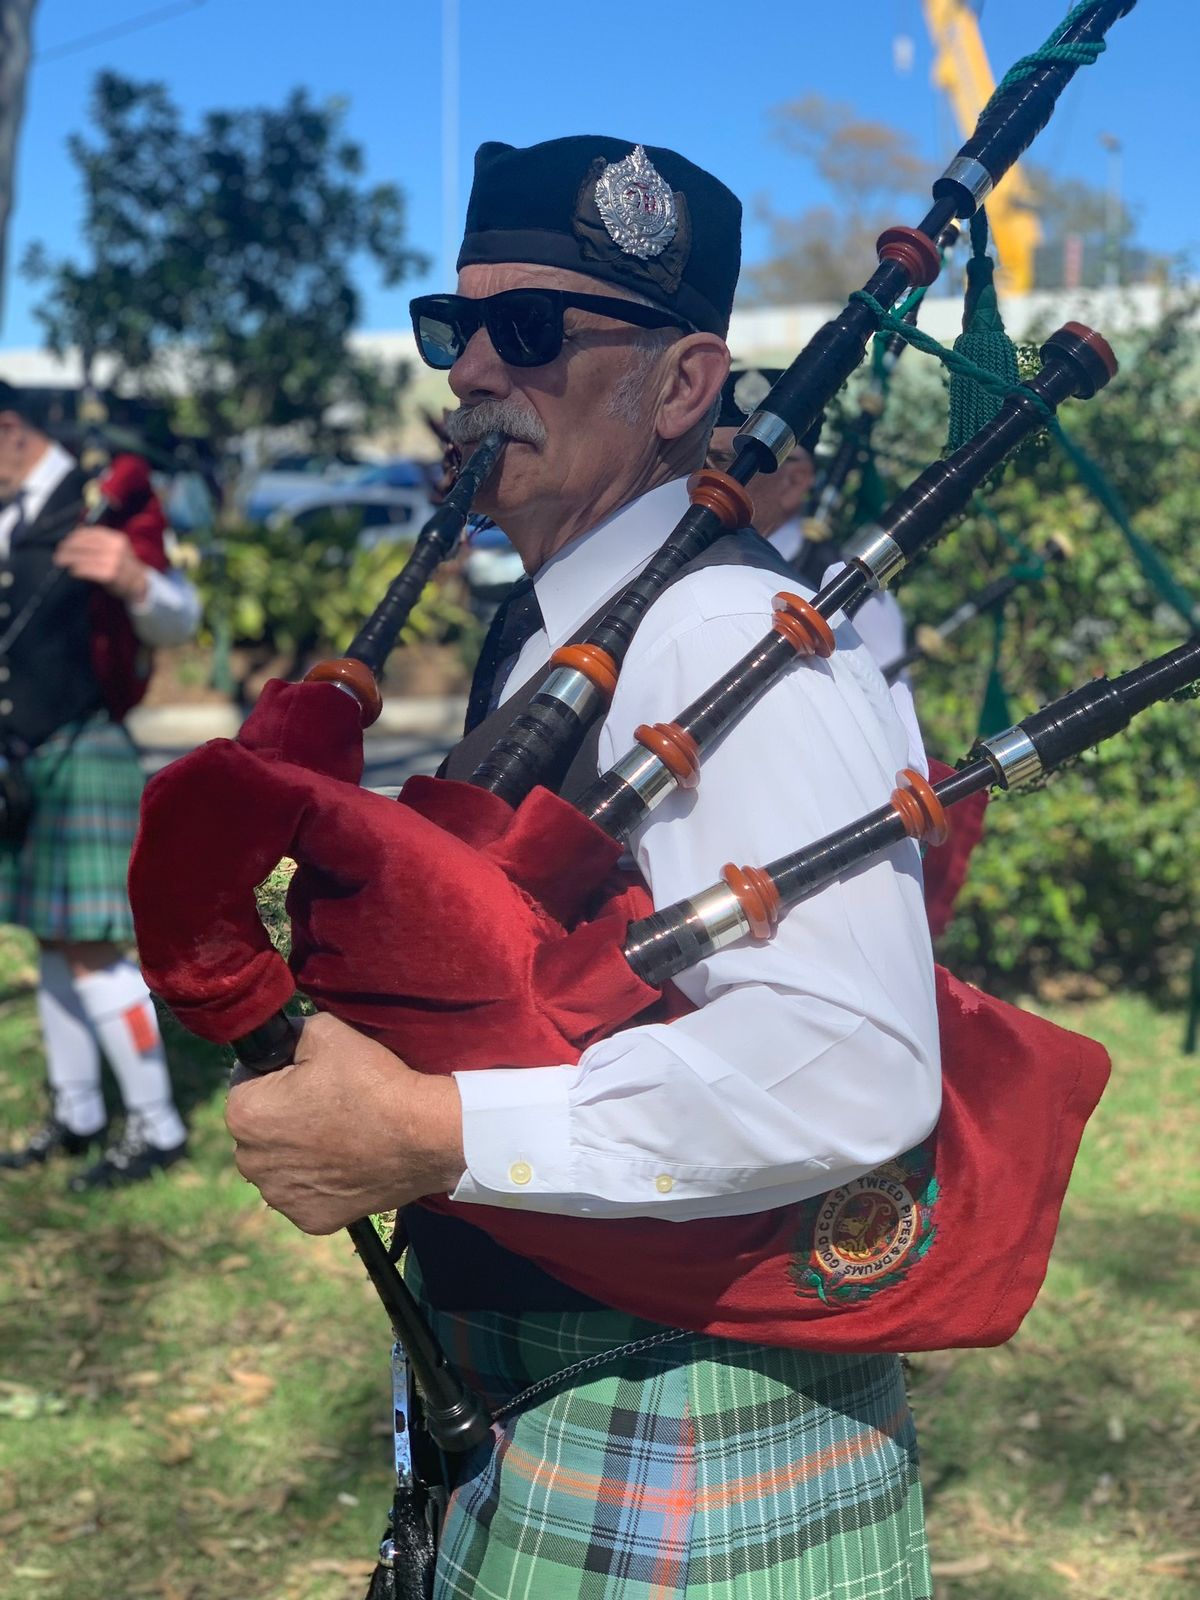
(591, 334)
(676, 1170)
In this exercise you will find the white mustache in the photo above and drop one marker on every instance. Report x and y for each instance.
(469, 423)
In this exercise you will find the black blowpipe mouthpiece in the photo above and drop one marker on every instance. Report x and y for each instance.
(373, 642)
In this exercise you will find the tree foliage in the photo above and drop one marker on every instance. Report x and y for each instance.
(1097, 873)
(868, 166)
(873, 171)
(224, 256)
(277, 591)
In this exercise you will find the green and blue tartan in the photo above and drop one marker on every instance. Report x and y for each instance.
(706, 1469)
(66, 880)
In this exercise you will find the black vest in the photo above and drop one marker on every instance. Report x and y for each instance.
(46, 676)
(462, 1268)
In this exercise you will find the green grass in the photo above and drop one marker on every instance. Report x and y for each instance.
(1063, 1465)
(194, 1397)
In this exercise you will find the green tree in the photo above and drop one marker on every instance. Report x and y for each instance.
(873, 172)
(1096, 874)
(224, 255)
(868, 166)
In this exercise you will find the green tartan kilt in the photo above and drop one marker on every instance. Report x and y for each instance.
(706, 1469)
(66, 880)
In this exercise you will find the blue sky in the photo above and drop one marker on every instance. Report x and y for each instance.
(699, 76)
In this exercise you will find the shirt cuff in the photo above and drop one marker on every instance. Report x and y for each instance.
(169, 611)
(155, 597)
(516, 1134)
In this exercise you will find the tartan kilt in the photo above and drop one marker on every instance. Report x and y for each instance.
(705, 1469)
(66, 879)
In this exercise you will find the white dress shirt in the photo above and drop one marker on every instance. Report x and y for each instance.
(812, 1058)
(167, 614)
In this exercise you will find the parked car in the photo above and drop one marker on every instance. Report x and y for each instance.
(491, 568)
(289, 477)
(374, 512)
(398, 474)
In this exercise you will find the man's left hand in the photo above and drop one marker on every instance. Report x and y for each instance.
(347, 1130)
(104, 556)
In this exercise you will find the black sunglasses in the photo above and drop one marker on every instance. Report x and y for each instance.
(524, 325)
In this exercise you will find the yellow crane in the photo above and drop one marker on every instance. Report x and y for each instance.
(961, 69)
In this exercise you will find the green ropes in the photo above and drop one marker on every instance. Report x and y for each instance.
(1153, 568)
(1079, 55)
(953, 360)
(982, 341)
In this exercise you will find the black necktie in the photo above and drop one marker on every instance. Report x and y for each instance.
(518, 617)
(19, 526)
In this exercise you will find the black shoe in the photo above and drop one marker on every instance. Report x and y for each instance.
(51, 1140)
(132, 1159)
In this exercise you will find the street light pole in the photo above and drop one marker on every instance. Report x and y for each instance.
(1112, 212)
(449, 139)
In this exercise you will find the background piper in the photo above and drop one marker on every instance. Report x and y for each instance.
(74, 660)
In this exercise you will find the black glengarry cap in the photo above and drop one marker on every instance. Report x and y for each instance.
(640, 217)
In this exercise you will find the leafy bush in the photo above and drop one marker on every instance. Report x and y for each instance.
(286, 595)
(1097, 873)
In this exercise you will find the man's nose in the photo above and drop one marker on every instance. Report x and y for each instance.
(479, 373)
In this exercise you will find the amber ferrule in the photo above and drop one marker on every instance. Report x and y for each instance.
(596, 665)
(724, 496)
(757, 895)
(675, 748)
(919, 809)
(356, 678)
(802, 625)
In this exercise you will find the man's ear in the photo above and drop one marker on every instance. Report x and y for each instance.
(694, 369)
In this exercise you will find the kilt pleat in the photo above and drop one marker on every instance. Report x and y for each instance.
(66, 880)
(706, 1469)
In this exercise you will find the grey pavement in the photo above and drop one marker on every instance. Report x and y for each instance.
(411, 736)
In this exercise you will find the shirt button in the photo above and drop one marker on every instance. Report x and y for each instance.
(664, 1183)
(6, 580)
(520, 1172)
(4, 674)
(5, 707)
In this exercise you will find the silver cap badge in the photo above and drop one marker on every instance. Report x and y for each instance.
(636, 206)
(750, 391)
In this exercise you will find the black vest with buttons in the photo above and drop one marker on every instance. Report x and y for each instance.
(461, 1267)
(46, 674)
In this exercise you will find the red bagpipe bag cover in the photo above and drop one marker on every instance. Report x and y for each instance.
(946, 867)
(463, 934)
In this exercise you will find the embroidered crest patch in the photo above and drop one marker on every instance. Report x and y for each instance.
(855, 1241)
